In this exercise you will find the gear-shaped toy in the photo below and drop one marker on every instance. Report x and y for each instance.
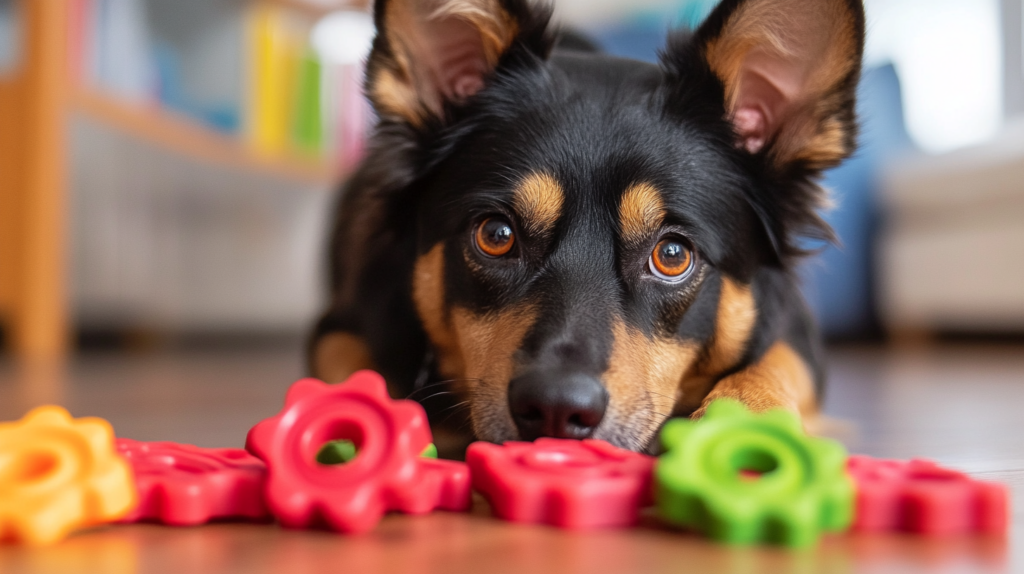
(58, 474)
(922, 497)
(742, 478)
(185, 485)
(386, 474)
(566, 483)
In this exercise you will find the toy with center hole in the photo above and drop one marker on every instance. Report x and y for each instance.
(920, 496)
(342, 451)
(742, 478)
(58, 474)
(387, 472)
(566, 483)
(184, 485)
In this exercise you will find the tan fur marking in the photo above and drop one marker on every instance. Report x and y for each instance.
(476, 351)
(644, 375)
(429, 297)
(825, 47)
(538, 201)
(641, 212)
(781, 379)
(338, 355)
(488, 344)
(396, 97)
(737, 314)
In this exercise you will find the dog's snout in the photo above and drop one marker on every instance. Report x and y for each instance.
(556, 405)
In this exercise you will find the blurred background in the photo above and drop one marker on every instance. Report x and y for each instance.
(167, 167)
(168, 170)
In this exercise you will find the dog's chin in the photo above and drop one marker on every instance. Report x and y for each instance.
(639, 433)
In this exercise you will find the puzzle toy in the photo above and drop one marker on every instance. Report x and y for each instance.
(342, 451)
(185, 485)
(386, 474)
(742, 478)
(343, 455)
(59, 474)
(921, 497)
(566, 483)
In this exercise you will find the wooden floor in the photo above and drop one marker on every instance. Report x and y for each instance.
(960, 404)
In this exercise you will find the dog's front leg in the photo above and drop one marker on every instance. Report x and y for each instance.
(779, 379)
(339, 354)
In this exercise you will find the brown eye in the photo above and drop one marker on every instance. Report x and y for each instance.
(671, 259)
(494, 236)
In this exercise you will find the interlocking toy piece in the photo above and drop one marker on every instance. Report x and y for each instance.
(58, 474)
(342, 451)
(185, 485)
(920, 496)
(704, 481)
(566, 483)
(387, 472)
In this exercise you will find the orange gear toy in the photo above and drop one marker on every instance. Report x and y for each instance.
(58, 474)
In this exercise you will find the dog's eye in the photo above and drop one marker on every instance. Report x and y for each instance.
(494, 236)
(671, 259)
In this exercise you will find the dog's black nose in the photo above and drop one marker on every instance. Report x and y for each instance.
(566, 406)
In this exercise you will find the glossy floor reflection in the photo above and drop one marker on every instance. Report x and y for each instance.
(957, 404)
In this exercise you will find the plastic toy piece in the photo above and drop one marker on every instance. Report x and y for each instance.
(742, 478)
(185, 485)
(342, 451)
(566, 483)
(336, 452)
(58, 474)
(430, 451)
(387, 472)
(920, 496)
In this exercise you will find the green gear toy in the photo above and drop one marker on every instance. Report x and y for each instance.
(742, 478)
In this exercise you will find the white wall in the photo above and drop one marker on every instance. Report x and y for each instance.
(948, 54)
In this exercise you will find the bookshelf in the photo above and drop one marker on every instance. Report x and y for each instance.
(321, 7)
(181, 134)
(38, 100)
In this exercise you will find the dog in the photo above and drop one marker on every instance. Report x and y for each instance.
(558, 242)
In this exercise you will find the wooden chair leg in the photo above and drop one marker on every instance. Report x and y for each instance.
(39, 313)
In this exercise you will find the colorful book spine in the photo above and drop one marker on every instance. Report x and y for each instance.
(268, 86)
(295, 99)
(308, 113)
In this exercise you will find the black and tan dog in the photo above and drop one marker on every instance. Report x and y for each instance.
(577, 245)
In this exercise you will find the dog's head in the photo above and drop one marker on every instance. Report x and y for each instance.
(588, 227)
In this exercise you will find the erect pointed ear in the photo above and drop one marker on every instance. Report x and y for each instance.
(790, 70)
(431, 52)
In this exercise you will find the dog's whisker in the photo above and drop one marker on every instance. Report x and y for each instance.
(452, 411)
(435, 384)
(435, 395)
(428, 386)
(663, 395)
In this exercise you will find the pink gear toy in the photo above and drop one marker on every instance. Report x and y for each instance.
(566, 483)
(185, 485)
(386, 474)
(920, 496)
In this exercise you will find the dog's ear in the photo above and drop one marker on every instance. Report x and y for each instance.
(429, 53)
(790, 70)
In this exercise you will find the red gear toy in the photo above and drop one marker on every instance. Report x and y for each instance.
(185, 485)
(566, 483)
(386, 474)
(920, 496)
